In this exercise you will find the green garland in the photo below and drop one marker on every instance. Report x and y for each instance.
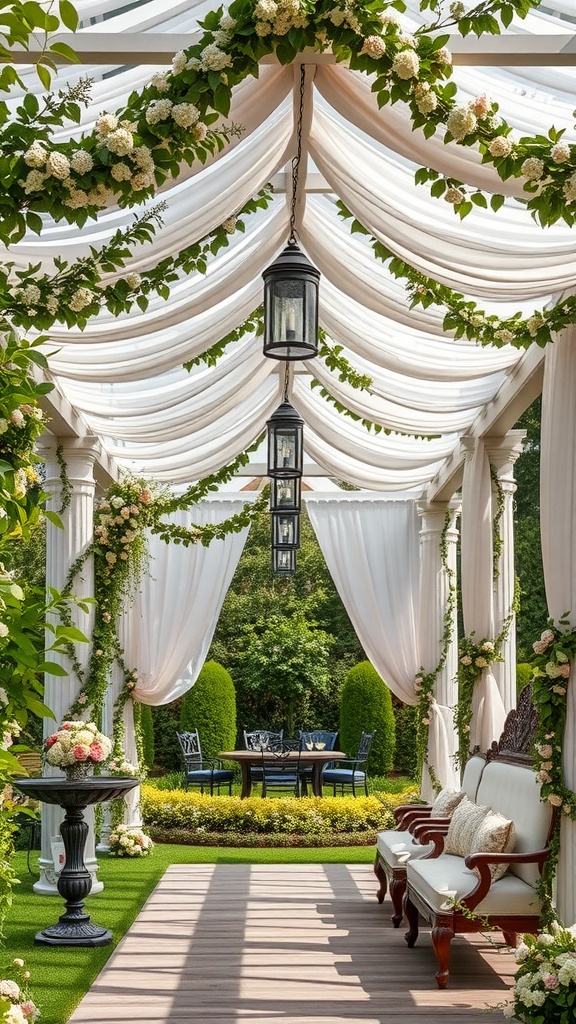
(65, 485)
(425, 682)
(497, 538)
(463, 317)
(555, 653)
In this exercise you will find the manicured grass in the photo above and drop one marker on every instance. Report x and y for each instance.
(61, 975)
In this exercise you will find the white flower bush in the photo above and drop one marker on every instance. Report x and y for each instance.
(129, 841)
(545, 984)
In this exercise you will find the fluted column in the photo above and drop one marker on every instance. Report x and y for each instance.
(503, 453)
(63, 546)
(434, 599)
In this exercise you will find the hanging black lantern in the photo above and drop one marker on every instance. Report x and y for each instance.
(285, 494)
(285, 429)
(285, 530)
(283, 561)
(291, 306)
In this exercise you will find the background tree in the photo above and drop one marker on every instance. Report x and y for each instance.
(285, 662)
(367, 707)
(255, 596)
(533, 613)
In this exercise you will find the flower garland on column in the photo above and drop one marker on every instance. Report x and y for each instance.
(425, 682)
(555, 652)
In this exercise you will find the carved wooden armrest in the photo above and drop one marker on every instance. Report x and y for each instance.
(406, 810)
(420, 825)
(436, 836)
(482, 862)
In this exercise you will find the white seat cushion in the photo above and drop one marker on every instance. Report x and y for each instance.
(446, 877)
(395, 848)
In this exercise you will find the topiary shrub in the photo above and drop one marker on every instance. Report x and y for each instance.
(405, 754)
(147, 728)
(166, 722)
(210, 707)
(366, 706)
(523, 675)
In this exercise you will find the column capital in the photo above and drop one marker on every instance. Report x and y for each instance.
(433, 514)
(504, 451)
(88, 447)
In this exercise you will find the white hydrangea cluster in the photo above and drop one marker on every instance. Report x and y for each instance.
(158, 110)
(560, 152)
(81, 162)
(81, 298)
(569, 189)
(406, 64)
(532, 168)
(278, 17)
(373, 46)
(160, 81)
(501, 146)
(425, 98)
(461, 122)
(185, 114)
(35, 156)
(58, 165)
(179, 62)
(214, 59)
(454, 196)
(130, 841)
(133, 281)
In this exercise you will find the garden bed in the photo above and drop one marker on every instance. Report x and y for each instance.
(176, 816)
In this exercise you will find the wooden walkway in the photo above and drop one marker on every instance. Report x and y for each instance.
(283, 944)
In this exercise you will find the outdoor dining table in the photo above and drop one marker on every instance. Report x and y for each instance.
(248, 759)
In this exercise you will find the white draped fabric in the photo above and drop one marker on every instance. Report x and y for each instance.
(488, 711)
(557, 502)
(168, 629)
(372, 548)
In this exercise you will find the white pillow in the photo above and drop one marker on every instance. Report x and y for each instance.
(463, 827)
(446, 802)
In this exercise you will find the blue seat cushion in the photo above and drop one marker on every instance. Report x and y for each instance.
(343, 775)
(205, 775)
(276, 779)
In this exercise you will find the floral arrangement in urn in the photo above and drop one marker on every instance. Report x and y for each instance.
(76, 748)
(130, 841)
(16, 1007)
(545, 983)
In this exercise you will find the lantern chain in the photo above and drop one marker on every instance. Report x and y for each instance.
(286, 380)
(298, 157)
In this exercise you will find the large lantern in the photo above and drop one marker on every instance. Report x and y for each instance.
(291, 306)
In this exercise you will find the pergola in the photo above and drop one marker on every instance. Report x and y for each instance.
(430, 437)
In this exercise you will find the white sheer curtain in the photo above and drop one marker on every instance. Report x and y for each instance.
(168, 630)
(488, 711)
(372, 548)
(557, 503)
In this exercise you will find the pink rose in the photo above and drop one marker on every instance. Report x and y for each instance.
(551, 981)
(564, 670)
(68, 725)
(81, 752)
(96, 752)
(50, 741)
(28, 1009)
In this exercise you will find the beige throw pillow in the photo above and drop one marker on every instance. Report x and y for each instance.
(495, 834)
(463, 827)
(446, 802)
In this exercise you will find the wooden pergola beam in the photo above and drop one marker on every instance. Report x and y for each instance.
(157, 48)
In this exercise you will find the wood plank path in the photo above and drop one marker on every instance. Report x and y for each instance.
(286, 944)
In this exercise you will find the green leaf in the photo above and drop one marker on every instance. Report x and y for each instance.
(65, 51)
(37, 707)
(68, 15)
(53, 668)
(44, 75)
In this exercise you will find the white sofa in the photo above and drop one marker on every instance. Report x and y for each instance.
(396, 847)
(456, 894)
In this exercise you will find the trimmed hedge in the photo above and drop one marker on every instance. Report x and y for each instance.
(176, 816)
(366, 706)
(147, 727)
(210, 707)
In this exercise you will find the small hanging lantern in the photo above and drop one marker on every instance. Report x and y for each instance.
(291, 306)
(285, 429)
(283, 561)
(285, 530)
(285, 494)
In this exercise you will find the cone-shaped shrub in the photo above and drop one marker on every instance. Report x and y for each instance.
(210, 707)
(366, 706)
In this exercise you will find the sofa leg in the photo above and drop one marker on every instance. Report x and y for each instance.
(511, 938)
(411, 914)
(381, 876)
(442, 935)
(397, 890)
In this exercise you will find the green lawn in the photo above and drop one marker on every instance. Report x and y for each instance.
(61, 975)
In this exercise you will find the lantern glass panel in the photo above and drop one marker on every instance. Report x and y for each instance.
(291, 319)
(283, 561)
(284, 448)
(285, 494)
(286, 529)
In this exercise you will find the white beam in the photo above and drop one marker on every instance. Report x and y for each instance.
(521, 387)
(110, 48)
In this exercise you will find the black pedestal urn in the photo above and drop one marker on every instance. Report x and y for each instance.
(75, 927)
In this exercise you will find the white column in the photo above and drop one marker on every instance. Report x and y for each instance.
(434, 597)
(62, 549)
(503, 453)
